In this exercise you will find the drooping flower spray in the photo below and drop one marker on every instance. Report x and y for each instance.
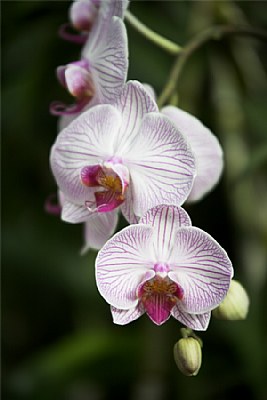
(120, 150)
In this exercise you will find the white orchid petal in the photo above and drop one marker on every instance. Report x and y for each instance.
(98, 229)
(107, 53)
(123, 264)
(133, 103)
(201, 267)
(206, 148)
(161, 165)
(165, 220)
(87, 140)
(74, 213)
(198, 322)
(150, 90)
(127, 207)
(111, 8)
(123, 317)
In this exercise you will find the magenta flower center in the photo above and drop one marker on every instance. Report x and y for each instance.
(114, 187)
(158, 296)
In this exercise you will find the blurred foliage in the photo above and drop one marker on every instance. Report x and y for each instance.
(58, 339)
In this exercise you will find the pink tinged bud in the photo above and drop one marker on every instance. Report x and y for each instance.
(83, 14)
(78, 80)
(158, 296)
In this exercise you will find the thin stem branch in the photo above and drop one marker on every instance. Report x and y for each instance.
(214, 33)
(159, 40)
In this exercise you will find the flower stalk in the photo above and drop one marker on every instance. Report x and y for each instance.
(216, 32)
(154, 37)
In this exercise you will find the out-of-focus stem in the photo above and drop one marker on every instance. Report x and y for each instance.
(159, 40)
(214, 33)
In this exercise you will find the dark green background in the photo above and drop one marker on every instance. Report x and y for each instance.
(58, 339)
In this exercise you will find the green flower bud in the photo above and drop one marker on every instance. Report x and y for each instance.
(235, 305)
(188, 356)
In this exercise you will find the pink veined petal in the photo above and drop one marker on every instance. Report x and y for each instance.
(74, 213)
(166, 213)
(123, 317)
(206, 148)
(134, 103)
(161, 165)
(202, 268)
(150, 90)
(98, 229)
(87, 140)
(107, 52)
(122, 264)
(127, 207)
(111, 8)
(198, 322)
(165, 220)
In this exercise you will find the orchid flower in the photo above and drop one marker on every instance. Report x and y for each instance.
(125, 155)
(98, 77)
(83, 15)
(163, 266)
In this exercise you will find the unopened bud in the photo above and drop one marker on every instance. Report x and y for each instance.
(83, 14)
(235, 305)
(188, 355)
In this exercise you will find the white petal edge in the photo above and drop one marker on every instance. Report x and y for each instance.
(123, 317)
(198, 322)
(87, 140)
(134, 103)
(74, 213)
(123, 264)
(206, 148)
(202, 268)
(98, 229)
(165, 221)
(107, 52)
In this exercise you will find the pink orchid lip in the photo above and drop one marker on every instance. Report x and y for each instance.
(114, 187)
(158, 296)
(77, 78)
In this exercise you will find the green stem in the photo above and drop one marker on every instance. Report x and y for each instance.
(159, 40)
(213, 33)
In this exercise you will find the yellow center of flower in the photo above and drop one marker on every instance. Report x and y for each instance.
(111, 182)
(158, 285)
